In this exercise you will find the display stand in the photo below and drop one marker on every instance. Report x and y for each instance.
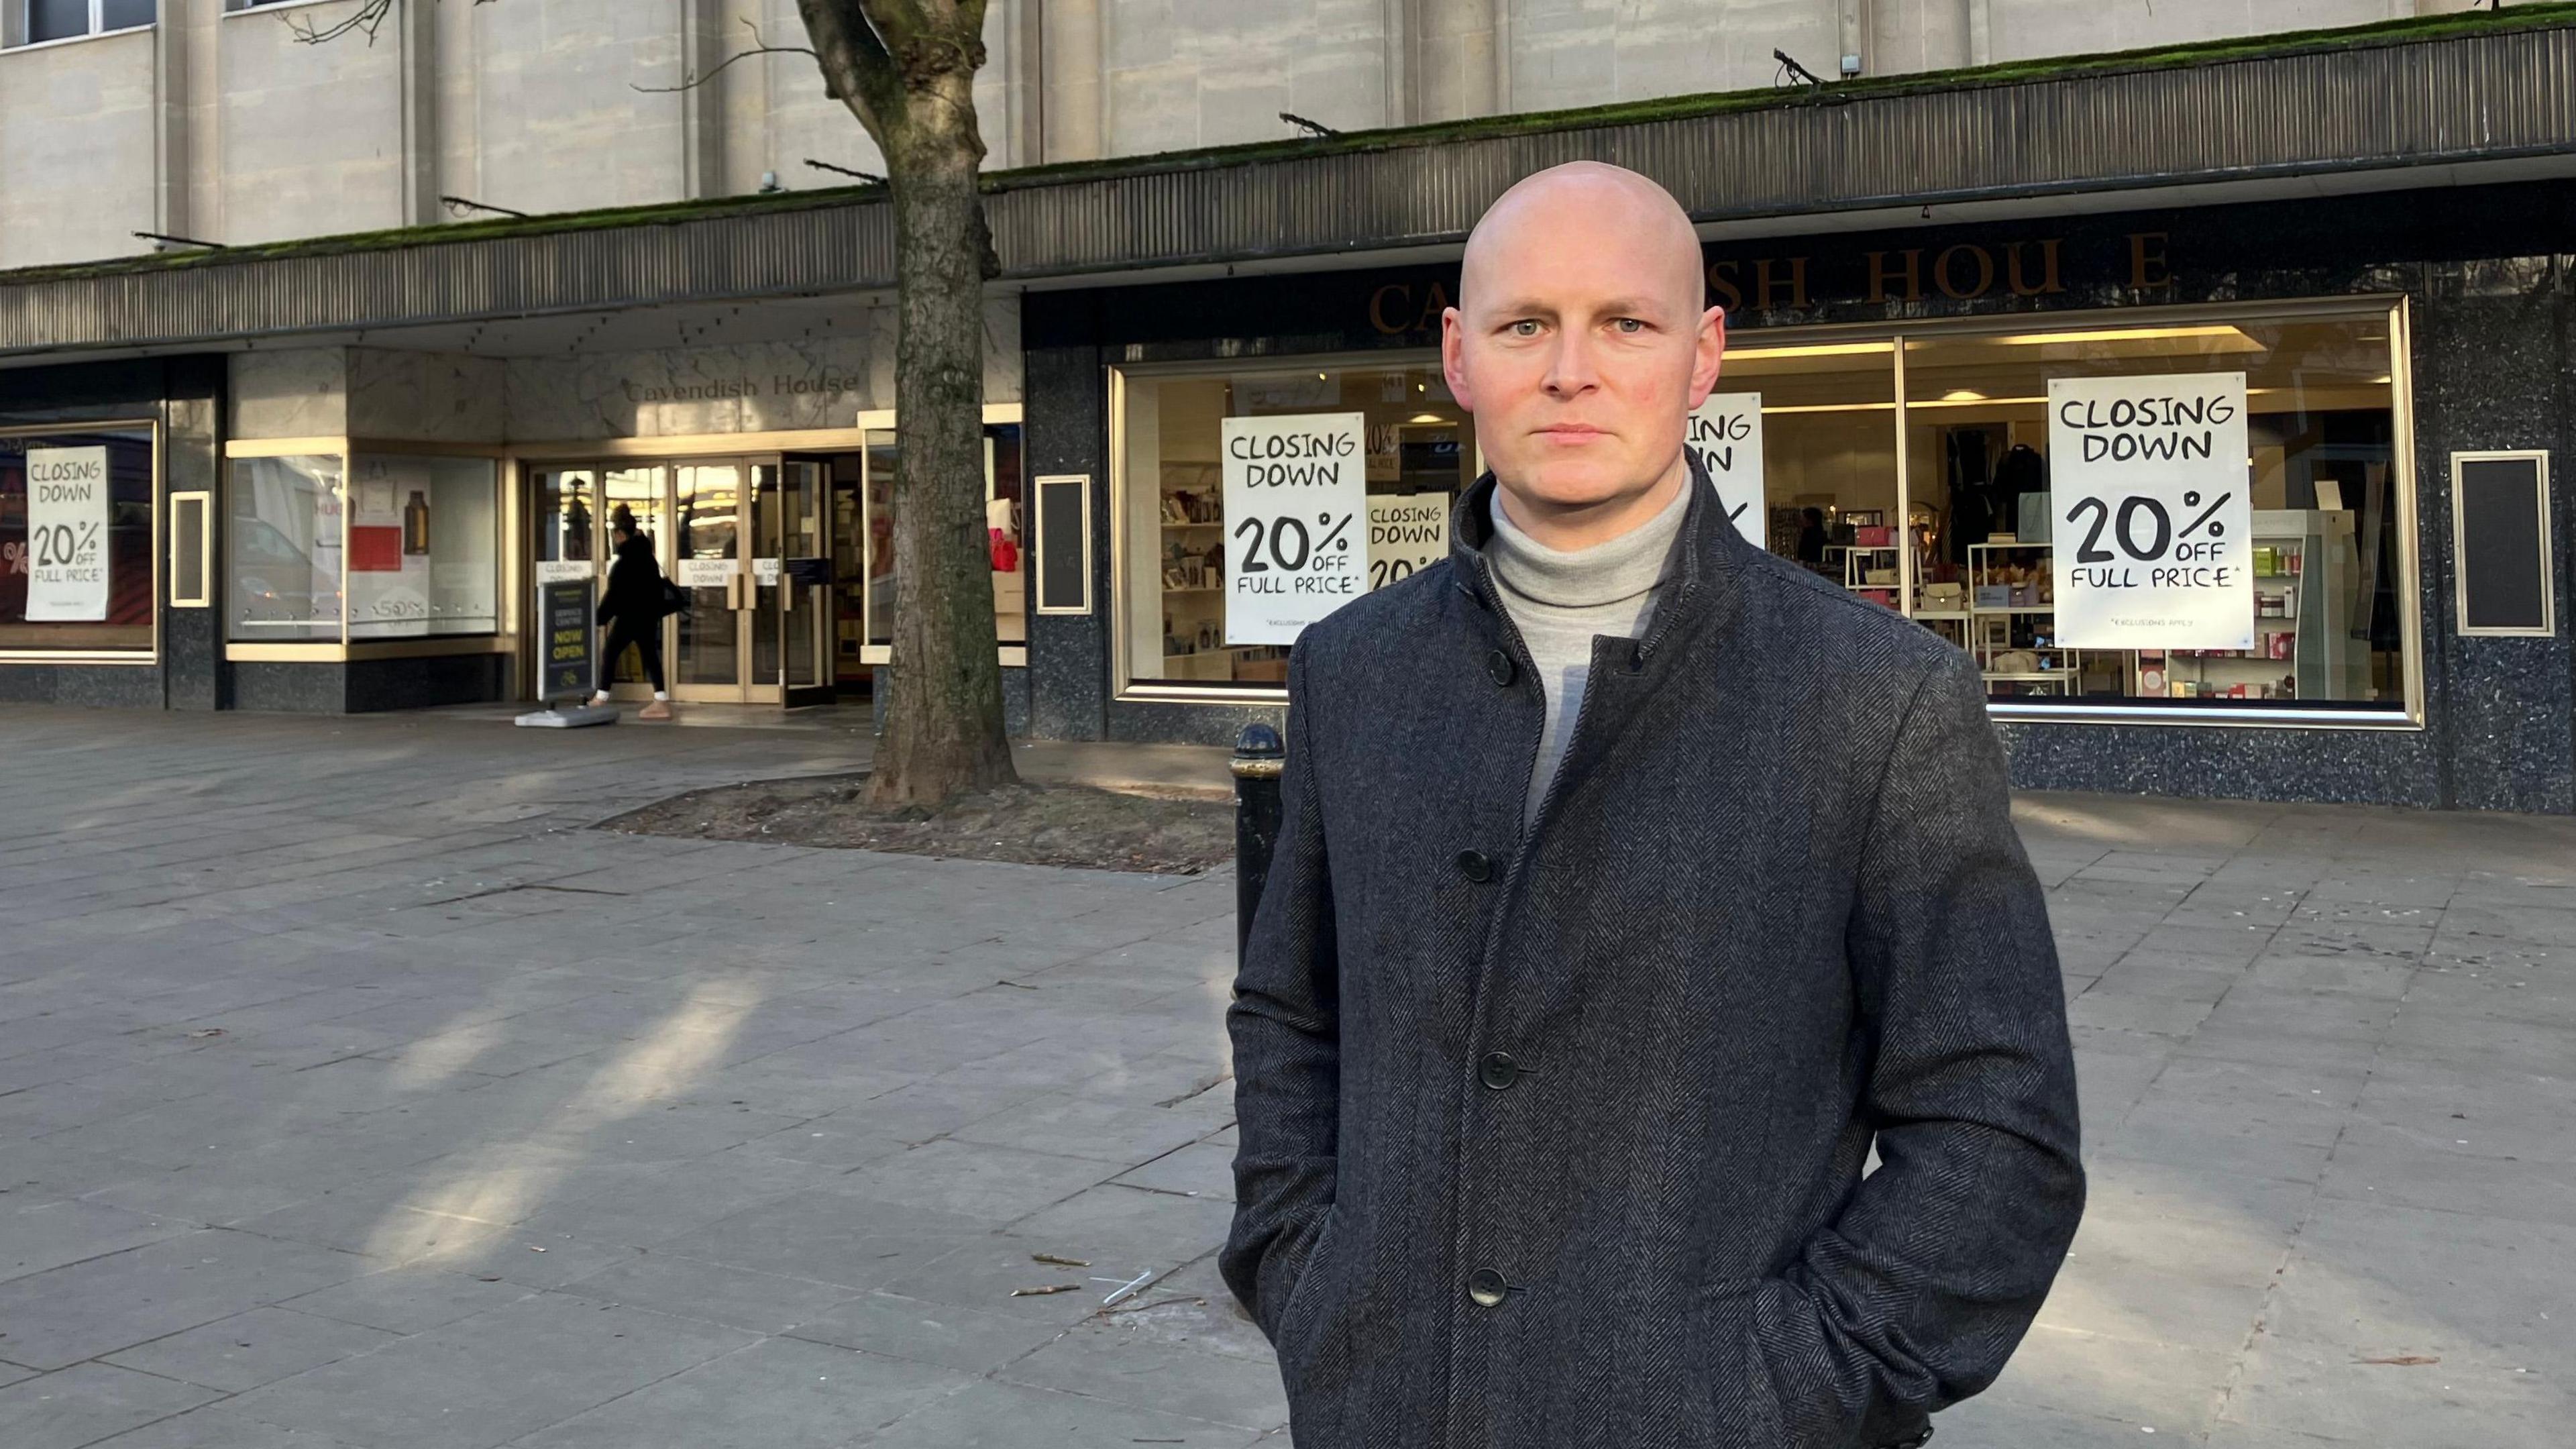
(1999, 606)
(2303, 561)
(1860, 561)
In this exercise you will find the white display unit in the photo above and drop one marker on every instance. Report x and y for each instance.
(2302, 610)
(1990, 623)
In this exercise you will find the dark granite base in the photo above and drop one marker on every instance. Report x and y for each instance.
(103, 686)
(366, 686)
(2372, 767)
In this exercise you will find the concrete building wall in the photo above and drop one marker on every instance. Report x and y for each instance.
(308, 139)
(218, 124)
(76, 167)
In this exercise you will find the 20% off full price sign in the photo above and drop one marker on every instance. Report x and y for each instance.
(1295, 490)
(2149, 483)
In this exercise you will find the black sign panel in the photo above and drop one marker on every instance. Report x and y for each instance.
(1064, 544)
(563, 614)
(809, 572)
(2502, 501)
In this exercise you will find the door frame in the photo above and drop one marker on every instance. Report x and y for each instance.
(525, 460)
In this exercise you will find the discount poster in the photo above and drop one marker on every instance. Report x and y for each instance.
(1726, 433)
(67, 535)
(2149, 482)
(1296, 540)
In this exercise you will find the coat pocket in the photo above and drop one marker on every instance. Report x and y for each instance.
(1744, 1405)
(1302, 1297)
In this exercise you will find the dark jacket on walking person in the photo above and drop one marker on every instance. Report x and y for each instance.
(634, 593)
(1553, 1118)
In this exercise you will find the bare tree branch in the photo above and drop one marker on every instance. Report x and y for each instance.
(759, 46)
(365, 19)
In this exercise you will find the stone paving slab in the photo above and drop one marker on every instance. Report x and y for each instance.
(354, 1094)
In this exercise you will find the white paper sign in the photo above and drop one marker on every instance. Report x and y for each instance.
(1726, 433)
(2153, 529)
(1296, 499)
(1408, 532)
(67, 535)
(764, 572)
(564, 570)
(708, 573)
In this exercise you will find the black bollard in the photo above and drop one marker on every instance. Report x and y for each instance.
(1257, 758)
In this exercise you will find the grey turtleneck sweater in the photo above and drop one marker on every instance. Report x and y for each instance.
(1560, 601)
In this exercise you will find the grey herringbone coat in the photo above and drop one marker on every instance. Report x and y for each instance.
(1553, 1139)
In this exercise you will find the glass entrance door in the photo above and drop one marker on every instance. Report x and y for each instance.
(796, 548)
(709, 536)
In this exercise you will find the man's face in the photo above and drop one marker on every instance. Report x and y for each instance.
(1581, 346)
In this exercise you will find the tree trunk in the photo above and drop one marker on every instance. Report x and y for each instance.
(943, 721)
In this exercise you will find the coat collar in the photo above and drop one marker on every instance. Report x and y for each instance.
(1707, 576)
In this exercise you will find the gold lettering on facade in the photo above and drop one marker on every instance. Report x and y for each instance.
(2150, 267)
(1880, 275)
(1768, 286)
(1943, 277)
(2048, 281)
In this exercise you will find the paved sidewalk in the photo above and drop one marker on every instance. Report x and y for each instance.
(353, 1095)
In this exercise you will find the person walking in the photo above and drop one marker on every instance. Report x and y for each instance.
(1632, 885)
(633, 606)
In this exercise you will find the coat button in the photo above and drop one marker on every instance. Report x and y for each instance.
(1474, 866)
(1499, 665)
(1487, 1288)
(1498, 1070)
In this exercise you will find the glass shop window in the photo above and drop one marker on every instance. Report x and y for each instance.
(282, 549)
(1421, 454)
(424, 546)
(1005, 537)
(2320, 477)
(76, 540)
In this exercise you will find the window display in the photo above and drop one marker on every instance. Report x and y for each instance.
(424, 547)
(1005, 532)
(2319, 469)
(76, 548)
(405, 546)
(1911, 468)
(283, 549)
(1419, 454)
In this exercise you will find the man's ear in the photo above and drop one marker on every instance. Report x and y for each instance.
(1453, 356)
(1707, 354)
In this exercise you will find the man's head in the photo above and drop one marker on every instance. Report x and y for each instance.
(1582, 341)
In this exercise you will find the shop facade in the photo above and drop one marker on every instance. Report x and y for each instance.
(330, 478)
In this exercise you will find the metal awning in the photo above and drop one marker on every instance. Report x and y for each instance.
(2395, 101)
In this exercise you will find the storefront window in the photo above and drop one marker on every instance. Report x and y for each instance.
(2319, 481)
(1005, 533)
(1825, 455)
(424, 547)
(1914, 469)
(417, 554)
(283, 549)
(76, 540)
(1421, 453)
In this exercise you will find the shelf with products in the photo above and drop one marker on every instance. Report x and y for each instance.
(2302, 564)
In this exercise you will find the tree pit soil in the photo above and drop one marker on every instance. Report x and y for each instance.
(1066, 825)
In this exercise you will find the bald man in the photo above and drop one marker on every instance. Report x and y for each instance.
(1632, 885)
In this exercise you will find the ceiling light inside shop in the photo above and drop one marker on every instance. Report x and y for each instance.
(2232, 339)
(1866, 407)
(1426, 418)
(1965, 399)
(1819, 349)
(1964, 394)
